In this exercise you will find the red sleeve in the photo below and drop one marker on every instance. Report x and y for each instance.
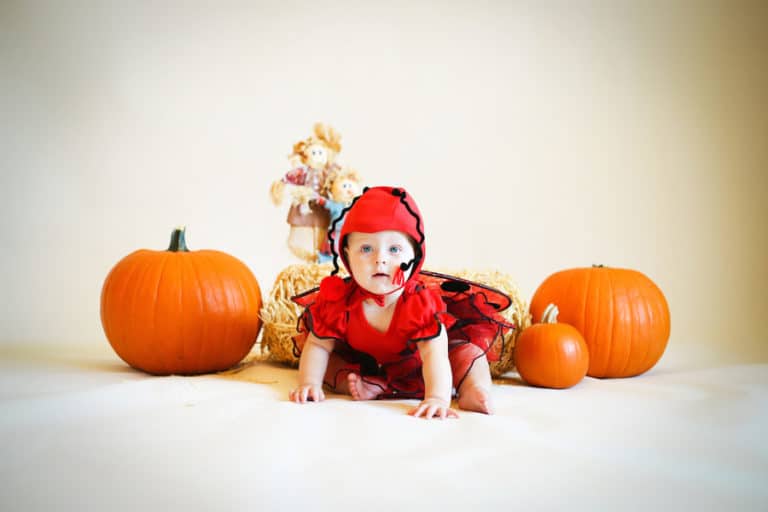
(326, 317)
(424, 315)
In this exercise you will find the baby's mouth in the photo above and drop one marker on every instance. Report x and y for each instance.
(380, 274)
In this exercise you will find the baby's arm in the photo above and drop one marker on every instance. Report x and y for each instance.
(438, 379)
(312, 366)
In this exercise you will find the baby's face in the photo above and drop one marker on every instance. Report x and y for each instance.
(375, 257)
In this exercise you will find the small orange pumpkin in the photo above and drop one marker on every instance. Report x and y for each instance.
(622, 314)
(180, 311)
(551, 354)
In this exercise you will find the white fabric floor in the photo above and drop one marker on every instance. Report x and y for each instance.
(79, 430)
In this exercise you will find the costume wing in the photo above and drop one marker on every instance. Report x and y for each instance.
(454, 288)
(476, 308)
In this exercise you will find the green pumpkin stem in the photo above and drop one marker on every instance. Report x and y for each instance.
(178, 242)
(550, 314)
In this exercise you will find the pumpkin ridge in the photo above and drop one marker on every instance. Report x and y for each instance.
(254, 300)
(251, 298)
(243, 300)
(613, 325)
(211, 270)
(626, 367)
(121, 327)
(667, 329)
(649, 287)
(590, 331)
(614, 291)
(594, 334)
(140, 278)
(146, 317)
(129, 302)
(245, 304)
(158, 340)
(226, 299)
(241, 304)
(664, 309)
(201, 331)
(191, 340)
(557, 368)
(180, 334)
(585, 298)
(635, 317)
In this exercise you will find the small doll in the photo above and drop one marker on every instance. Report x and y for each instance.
(391, 330)
(341, 187)
(308, 220)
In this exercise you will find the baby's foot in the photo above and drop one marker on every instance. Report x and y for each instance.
(360, 389)
(476, 399)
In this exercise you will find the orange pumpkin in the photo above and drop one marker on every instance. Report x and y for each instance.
(181, 311)
(551, 354)
(622, 314)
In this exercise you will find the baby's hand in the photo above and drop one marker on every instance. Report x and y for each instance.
(434, 408)
(306, 392)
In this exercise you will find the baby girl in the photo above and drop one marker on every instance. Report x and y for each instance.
(386, 333)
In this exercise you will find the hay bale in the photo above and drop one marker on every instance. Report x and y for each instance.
(280, 314)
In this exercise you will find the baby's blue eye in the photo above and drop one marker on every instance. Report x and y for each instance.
(395, 249)
(365, 249)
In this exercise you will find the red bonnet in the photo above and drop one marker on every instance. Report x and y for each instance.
(386, 209)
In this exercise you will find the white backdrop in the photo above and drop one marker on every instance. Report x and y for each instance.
(536, 136)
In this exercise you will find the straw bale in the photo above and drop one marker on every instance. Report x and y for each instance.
(279, 313)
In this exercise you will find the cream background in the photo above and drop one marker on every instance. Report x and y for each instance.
(535, 136)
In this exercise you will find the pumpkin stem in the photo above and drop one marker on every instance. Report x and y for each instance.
(178, 242)
(550, 314)
(595, 265)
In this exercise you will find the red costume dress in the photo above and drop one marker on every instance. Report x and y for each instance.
(429, 303)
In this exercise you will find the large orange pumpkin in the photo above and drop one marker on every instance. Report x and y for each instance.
(622, 314)
(180, 311)
(551, 354)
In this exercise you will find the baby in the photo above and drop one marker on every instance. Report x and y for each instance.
(383, 333)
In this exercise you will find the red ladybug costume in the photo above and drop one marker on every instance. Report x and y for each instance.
(429, 303)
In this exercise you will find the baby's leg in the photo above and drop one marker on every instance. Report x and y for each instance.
(474, 393)
(344, 377)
